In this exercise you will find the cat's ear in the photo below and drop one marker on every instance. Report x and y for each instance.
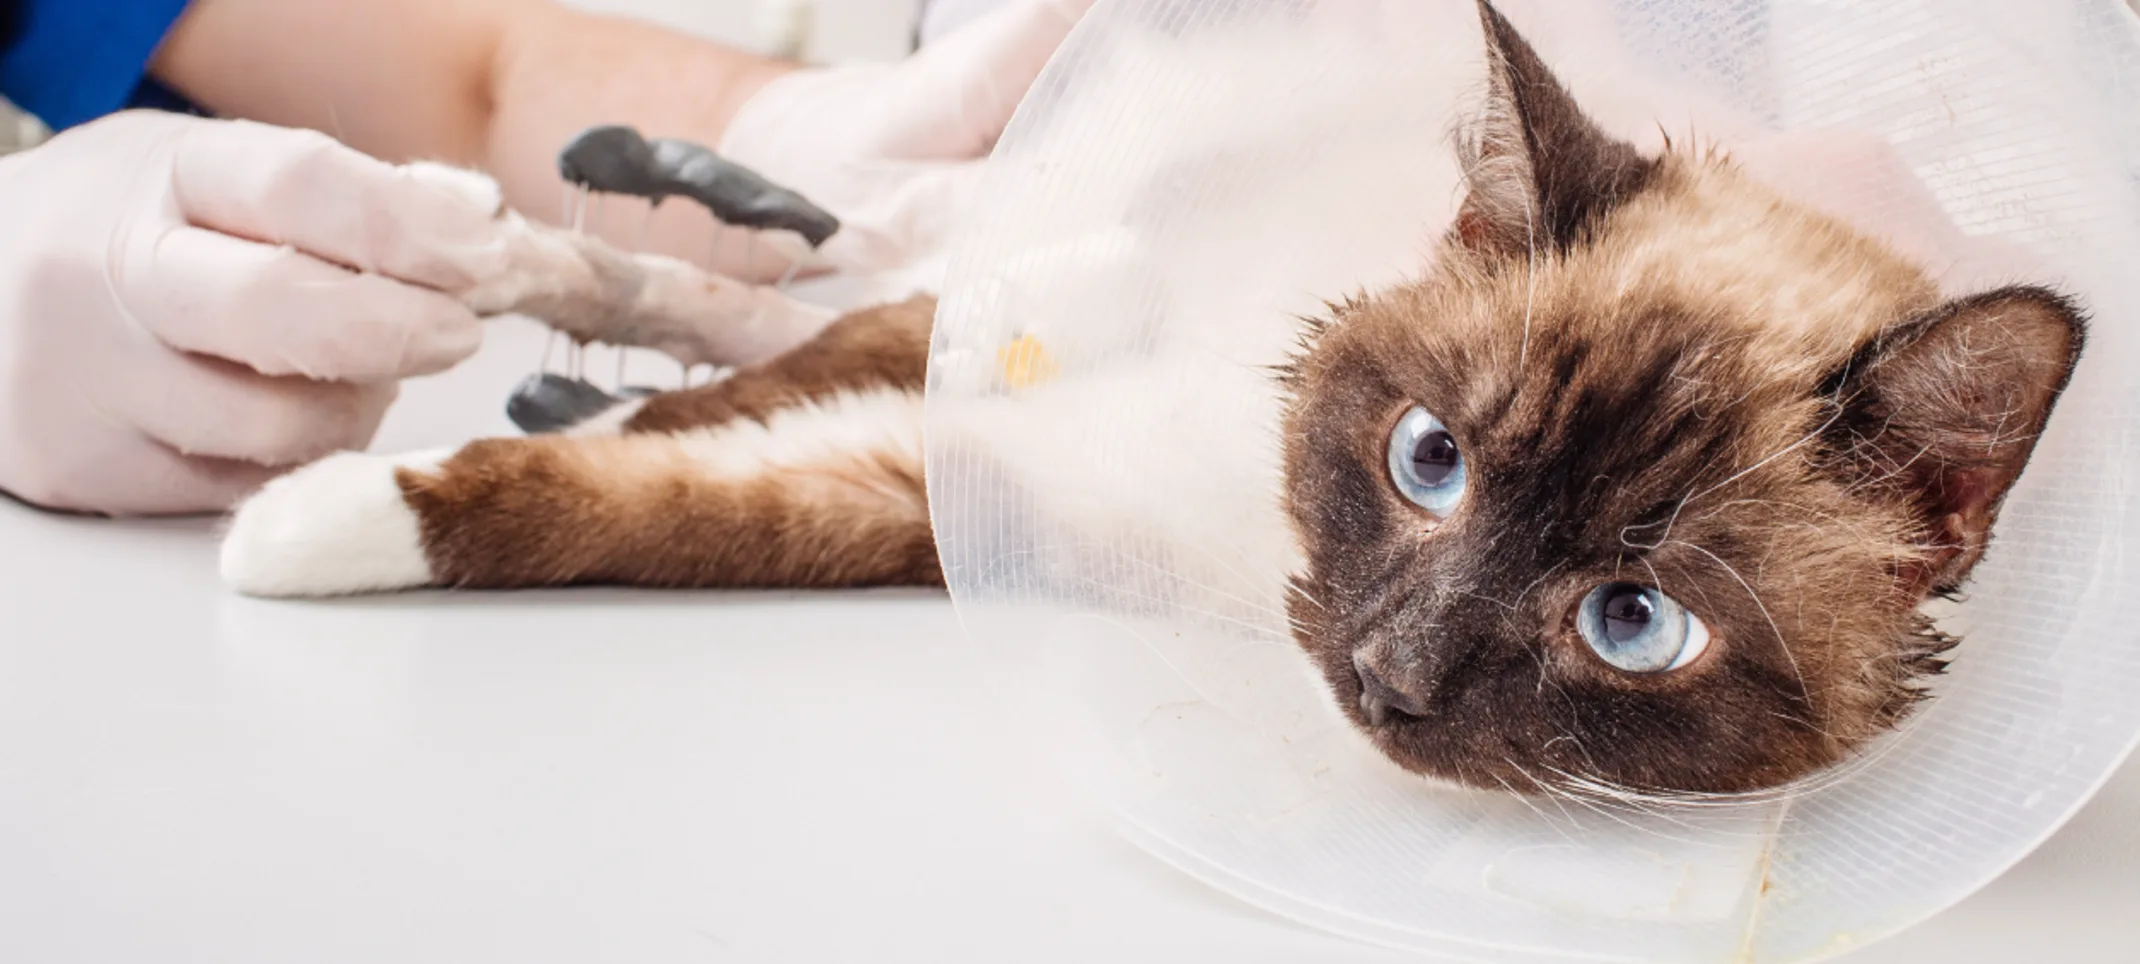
(1944, 411)
(1539, 170)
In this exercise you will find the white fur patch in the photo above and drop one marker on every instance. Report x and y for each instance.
(335, 527)
(884, 421)
(610, 421)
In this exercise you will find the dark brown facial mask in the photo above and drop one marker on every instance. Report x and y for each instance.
(1643, 484)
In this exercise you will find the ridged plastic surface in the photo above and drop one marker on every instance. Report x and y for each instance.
(1191, 175)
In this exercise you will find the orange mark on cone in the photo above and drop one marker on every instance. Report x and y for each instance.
(1024, 363)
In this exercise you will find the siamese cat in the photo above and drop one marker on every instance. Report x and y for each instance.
(1642, 480)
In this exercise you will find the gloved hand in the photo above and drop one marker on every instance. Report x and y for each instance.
(188, 306)
(890, 148)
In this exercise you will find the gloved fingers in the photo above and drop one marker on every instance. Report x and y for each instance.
(966, 86)
(204, 406)
(132, 476)
(71, 456)
(421, 224)
(167, 483)
(912, 214)
(281, 312)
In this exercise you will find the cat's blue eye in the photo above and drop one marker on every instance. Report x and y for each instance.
(1640, 630)
(1425, 462)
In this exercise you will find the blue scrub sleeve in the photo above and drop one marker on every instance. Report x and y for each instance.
(72, 61)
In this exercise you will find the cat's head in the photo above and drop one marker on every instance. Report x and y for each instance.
(1646, 481)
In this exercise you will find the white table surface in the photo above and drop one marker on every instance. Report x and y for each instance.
(606, 776)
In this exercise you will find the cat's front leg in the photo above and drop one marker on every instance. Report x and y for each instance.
(822, 495)
(580, 285)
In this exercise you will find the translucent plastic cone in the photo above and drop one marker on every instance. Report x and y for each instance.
(1190, 176)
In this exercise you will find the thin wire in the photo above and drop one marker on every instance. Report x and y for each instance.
(575, 211)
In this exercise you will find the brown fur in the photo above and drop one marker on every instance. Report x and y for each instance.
(645, 509)
(1669, 376)
(886, 346)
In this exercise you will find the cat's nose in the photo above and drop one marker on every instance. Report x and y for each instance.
(1380, 701)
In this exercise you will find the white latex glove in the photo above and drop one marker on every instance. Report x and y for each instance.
(889, 149)
(188, 306)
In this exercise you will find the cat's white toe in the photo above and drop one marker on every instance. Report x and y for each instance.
(336, 527)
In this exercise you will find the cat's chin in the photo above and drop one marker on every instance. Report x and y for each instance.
(1534, 775)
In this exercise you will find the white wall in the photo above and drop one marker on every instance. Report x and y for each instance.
(825, 31)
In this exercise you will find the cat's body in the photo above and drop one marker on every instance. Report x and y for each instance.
(803, 471)
(1638, 389)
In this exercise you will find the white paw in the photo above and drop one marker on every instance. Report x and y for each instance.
(335, 527)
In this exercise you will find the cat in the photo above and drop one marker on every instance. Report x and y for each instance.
(1642, 482)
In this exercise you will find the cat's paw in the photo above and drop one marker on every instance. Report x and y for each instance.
(336, 527)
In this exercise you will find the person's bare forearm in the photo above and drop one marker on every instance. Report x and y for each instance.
(494, 84)
(560, 73)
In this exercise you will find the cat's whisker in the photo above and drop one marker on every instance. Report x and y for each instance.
(1229, 596)
(1255, 634)
(1554, 795)
(1805, 692)
(1656, 578)
(1223, 552)
(1557, 791)
(1174, 578)
(1536, 650)
(1530, 286)
(1580, 748)
(1524, 799)
(1307, 595)
(1482, 597)
(1525, 593)
(1751, 469)
(1612, 795)
(1785, 793)
(1568, 823)
(1655, 806)
(1668, 523)
(1808, 724)
(1545, 675)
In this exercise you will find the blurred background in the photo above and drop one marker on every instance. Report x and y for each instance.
(819, 31)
